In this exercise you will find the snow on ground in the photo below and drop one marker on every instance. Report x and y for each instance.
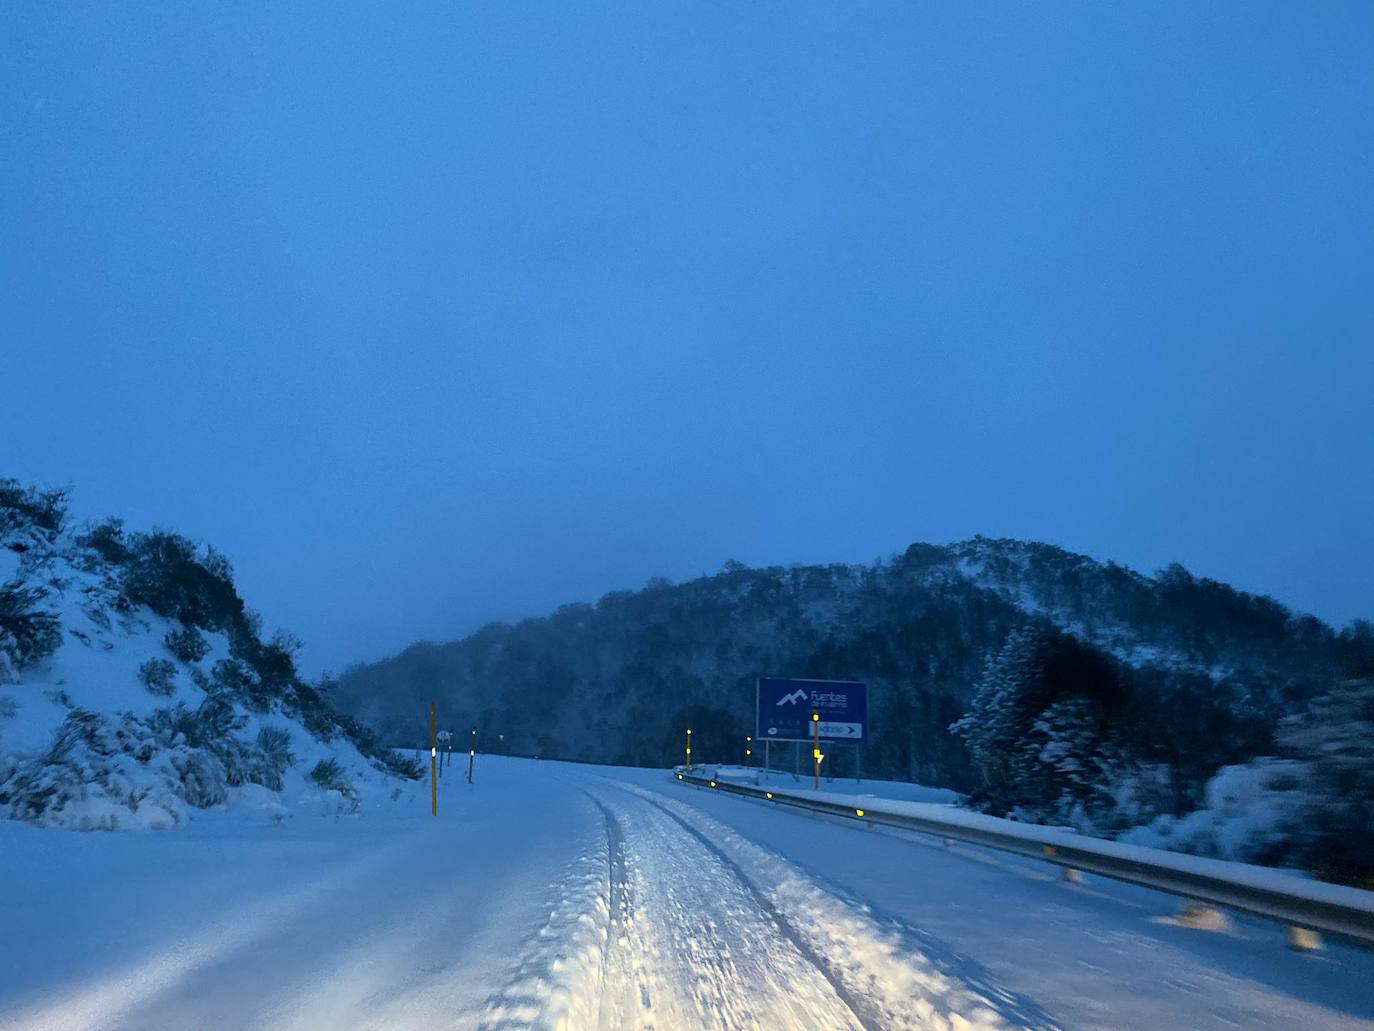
(558, 896)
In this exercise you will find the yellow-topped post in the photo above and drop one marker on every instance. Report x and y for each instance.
(689, 749)
(816, 745)
(748, 749)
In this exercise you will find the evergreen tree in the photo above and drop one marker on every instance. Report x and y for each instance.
(1336, 737)
(995, 720)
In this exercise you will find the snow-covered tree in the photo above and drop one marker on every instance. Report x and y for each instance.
(1043, 725)
(993, 725)
(1335, 736)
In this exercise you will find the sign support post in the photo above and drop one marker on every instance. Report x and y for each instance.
(816, 745)
(433, 760)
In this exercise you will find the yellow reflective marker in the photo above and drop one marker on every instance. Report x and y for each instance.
(769, 794)
(713, 783)
(858, 812)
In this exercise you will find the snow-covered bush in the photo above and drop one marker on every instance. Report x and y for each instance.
(28, 634)
(94, 778)
(103, 544)
(25, 508)
(158, 676)
(274, 748)
(235, 680)
(103, 773)
(1251, 813)
(171, 575)
(187, 644)
(329, 776)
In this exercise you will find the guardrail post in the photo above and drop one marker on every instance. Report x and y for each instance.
(1303, 939)
(1066, 873)
(1201, 916)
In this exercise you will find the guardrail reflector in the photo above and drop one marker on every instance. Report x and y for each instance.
(858, 812)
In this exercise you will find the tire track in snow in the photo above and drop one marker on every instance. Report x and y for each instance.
(705, 949)
(619, 965)
(890, 979)
(779, 921)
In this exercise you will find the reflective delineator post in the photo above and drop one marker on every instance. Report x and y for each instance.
(472, 754)
(433, 759)
(689, 749)
(748, 750)
(816, 745)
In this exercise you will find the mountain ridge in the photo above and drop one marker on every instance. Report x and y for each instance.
(919, 626)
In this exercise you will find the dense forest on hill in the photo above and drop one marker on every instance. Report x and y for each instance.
(1131, 690)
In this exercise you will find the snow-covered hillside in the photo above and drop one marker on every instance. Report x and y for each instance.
(114, 715)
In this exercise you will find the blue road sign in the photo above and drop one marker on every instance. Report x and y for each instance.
(784, 709)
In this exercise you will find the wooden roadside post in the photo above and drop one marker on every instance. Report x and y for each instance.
(433, 759)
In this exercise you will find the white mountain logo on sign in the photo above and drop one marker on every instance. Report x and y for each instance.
(792, 699)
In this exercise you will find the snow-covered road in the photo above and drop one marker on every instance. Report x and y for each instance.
(550, 895)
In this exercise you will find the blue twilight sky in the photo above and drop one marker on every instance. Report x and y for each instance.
(434, 313)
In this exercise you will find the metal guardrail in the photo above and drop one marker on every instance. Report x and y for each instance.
(1305, 907)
